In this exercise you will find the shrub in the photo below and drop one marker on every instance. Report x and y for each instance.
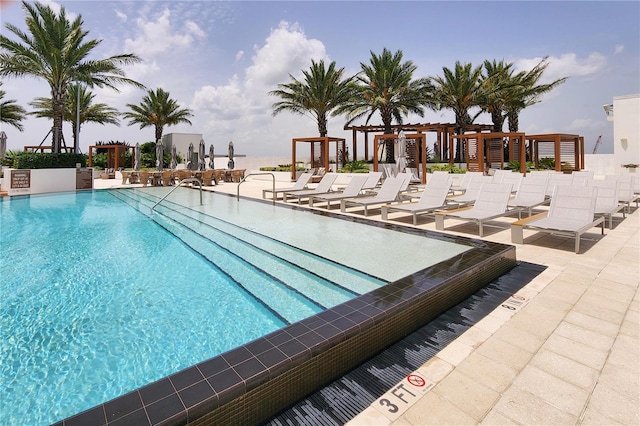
(48, 160)
(355, 167)
(547, 163)
(446, 167)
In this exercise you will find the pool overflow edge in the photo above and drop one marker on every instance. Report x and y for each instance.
(254, 382)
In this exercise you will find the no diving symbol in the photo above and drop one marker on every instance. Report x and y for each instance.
(416, 380)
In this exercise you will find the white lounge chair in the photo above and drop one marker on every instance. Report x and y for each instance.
(490, 204)
(471, 193)
(625, 189)
(514, 178)
(582, 177)
(389, 170)
(432, 198)
(464, 182)
(373, 179)
(300, 184)
(571, 213)
(388, 192)
(557, 179)
(532, 193)
(324, 186)
(353, 189)
(607, 199)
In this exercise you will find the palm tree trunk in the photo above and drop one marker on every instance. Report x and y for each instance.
(158, 133)
(322, 126)
(58, 99)
(498, 120)
(513, 121)
(388, 143)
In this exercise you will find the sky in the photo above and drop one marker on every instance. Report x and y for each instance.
(221, 59)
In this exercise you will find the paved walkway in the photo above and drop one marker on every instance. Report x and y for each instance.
(569, 354)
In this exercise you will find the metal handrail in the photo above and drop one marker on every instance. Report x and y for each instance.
(191, 179)
(273, 178)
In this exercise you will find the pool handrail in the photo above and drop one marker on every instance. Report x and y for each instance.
(190, 179)
(273, 179)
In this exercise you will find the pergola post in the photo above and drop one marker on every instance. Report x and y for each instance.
(293, 159)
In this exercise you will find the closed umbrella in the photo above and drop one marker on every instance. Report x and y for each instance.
(201, 162)
(212, 164)
(174, 157)
(3, 146)
(231, 164)
(136, 158)
(190, 156)
(401, 162)
(159, 154)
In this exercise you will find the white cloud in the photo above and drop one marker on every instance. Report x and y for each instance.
(121, 15)
(239, 55)
(194, 29)
(240, 110)
(156, 38)
(619, 49)
(565, 65)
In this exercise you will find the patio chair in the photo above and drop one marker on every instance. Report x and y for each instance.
(571, 213)
(557, 179)
(464, 183)
(125, 177)
(432, 198)
(625, 189)
(301, 183)
(389, 170)
(318, 174)
(582, 177)
(514, 178)
(607, 199)
(324, 186)
(532, 193)
(353, 189)
(144, 177)
(167, 177)
(208, 178)
(388, 192)
(373, 179)
(491, 203)
(471, 193)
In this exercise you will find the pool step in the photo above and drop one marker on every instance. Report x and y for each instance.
(328, 271)
(295, 281)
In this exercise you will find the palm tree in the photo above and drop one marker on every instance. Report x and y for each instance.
(54, 49)
(386, 86)
(459, 90)
(89, 112)
(157, 109)
(499, 86)
(321, 92)
(528, 92)
(11, 113)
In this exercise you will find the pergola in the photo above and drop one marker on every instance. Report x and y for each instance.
(319, 157)
(487, 150)
(114, 154)
(444, 144)
(563, 148)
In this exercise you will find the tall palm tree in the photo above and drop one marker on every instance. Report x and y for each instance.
(386, 86)
(157, 109)
(499, 86)
(319, 94)
(459, 89)
(528, 92)
(56, 50)
(89, 112)
(10, 112)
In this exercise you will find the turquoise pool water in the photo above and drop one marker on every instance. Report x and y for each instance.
(97, 299)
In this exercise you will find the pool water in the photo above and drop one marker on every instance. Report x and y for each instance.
(97, 298)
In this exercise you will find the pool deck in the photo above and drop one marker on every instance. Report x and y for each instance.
(569, 355)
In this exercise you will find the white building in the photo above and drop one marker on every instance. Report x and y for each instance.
(625, 114)
(181, 141)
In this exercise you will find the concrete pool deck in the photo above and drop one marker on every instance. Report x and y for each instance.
(570, 355)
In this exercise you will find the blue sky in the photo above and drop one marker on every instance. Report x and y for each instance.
(221, 58)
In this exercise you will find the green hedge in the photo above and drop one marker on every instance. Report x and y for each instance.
(47, 160)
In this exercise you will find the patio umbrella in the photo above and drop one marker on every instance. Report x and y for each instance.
(174, 157)
(189, 155)
(231, 164)
(159, 154)
(3, 146)
(212, 164)
(401, 162)
(201, 162)
(136, 158)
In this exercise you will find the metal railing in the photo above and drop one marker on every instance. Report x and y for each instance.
(191, 179)
(273, 179)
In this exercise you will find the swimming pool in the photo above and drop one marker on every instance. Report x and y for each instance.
(105, 282)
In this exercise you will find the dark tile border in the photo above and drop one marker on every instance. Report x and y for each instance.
(252, 383)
